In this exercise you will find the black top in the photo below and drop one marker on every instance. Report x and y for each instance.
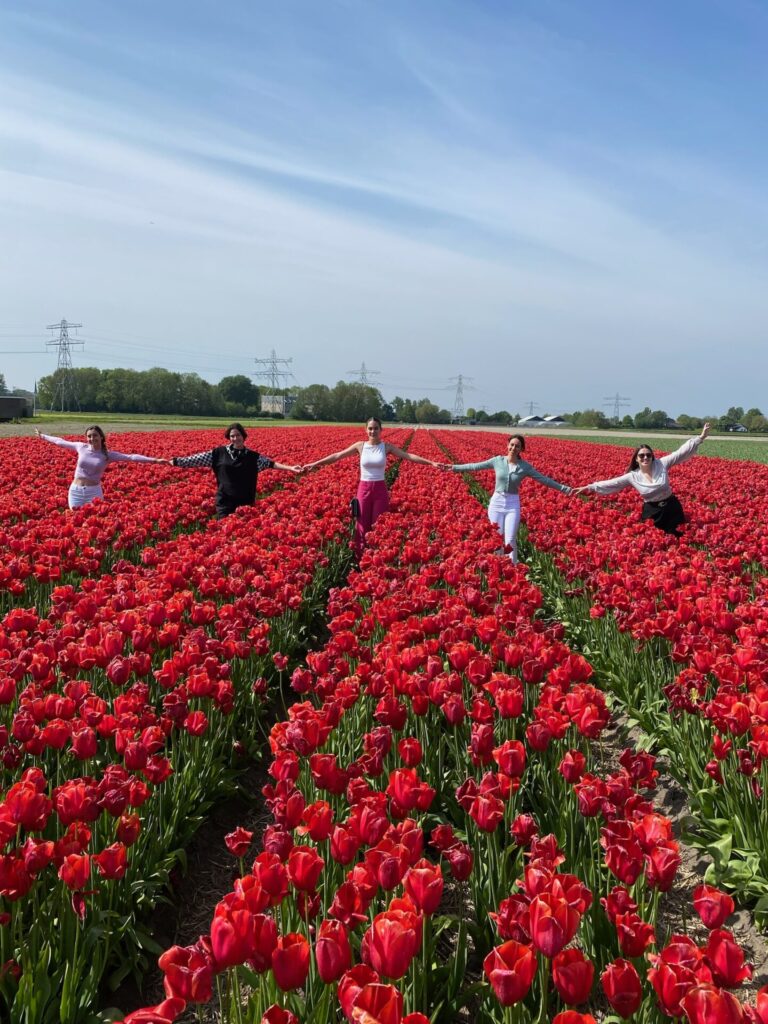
(236, 470)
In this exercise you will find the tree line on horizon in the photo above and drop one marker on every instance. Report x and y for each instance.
(159, 391)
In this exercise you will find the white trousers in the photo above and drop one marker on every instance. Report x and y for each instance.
(504, 512)
(79, 496)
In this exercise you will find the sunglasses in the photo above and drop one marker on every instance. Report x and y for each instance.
(644, 455)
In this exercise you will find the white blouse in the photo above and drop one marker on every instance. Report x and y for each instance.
(658, 487)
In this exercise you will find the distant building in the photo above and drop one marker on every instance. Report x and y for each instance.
(277, 403)
(13, 407)
(541, 421)
(737, 428)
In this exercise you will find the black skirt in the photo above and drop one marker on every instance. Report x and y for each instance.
(666, 515)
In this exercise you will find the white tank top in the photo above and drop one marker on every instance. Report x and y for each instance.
(373, 461)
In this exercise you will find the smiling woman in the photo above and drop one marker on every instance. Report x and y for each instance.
(372, 495)
(504, 506)
(93, 457)
(648, 475)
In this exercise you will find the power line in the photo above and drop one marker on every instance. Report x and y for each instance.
(617, 401)
(66, 387)
(458, 402)
(273, 374)
(364, 374)
(531, 407)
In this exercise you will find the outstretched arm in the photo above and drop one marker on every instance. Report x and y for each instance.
(687, 450)
(288, 469)
(546, 480)
(329, 459)
(394, 450)
(60, 442)
(199, 460)
(114, 456)
(612, 486)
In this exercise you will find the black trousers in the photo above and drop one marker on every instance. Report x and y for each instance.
(226, 504)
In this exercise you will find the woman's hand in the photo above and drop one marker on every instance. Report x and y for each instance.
(37, 433)
(580, 490)
(704, 431)
(445, 466)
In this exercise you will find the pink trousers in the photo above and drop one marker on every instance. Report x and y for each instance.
(374, 499)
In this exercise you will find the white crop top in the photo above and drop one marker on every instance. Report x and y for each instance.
(373, 461)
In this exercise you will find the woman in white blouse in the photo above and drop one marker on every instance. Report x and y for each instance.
(649, 477)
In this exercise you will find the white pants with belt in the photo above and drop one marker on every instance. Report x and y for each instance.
(504, 512)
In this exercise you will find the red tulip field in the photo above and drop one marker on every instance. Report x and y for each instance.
(462, 756)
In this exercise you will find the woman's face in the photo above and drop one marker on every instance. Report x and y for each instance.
(93, 437)
(373, 430)
(236, 438)
(514, 447)
(645, 458)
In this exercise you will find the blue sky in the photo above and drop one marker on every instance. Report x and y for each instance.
(559, 201)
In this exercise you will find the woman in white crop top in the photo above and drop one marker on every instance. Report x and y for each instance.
(372, 495)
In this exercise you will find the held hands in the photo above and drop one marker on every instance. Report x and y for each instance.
(579, 490)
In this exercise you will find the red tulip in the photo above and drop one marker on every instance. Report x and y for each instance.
(553, 923)
(239, 841)
(706, 1004)
(351, 985)
(634, 934)
(278, 1015)
(712, 905)
(622, 986)
(75, 871)
(573, 975)
(112, 862)
(305, 866)
(332, 951)
(378, 1004)
(290, 961)
(424, 884)
(510, 968)
(726, 959)
(164, 1013)
(188, 973)
(391, 943)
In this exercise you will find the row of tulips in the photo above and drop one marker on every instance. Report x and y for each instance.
(119, 710)
(442, 833)
(678, 629)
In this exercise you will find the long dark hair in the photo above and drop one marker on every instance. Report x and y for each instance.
(634, 464)
(100, 432)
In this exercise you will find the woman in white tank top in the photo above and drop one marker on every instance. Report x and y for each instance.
(372, 495)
